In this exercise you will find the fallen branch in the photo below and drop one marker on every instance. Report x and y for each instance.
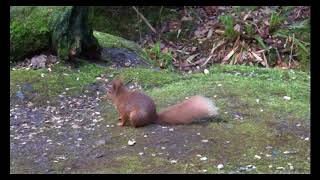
(144, 19)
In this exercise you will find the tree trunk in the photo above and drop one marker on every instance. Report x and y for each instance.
(72, 34)
(67, 31)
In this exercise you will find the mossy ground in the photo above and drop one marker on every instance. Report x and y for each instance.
(232, 141)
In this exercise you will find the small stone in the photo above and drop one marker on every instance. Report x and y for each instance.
(98, 113)
(306, 139)
(153, 154)
(257, 157)
(49, 140)
(268, 155)
(298, 125)
(98, 78)
(171, 129)
(131, 142)
(204, 141)
(219, 85)
(227, 142)
(250, 167)
(163, 147)
(198, 134)
(198, 155)
(280, 168)
(145, 136)
(140, 153)
(203, 158)
(261, 110)
(270, 166)
(79, 139)
(220, 166)
(215, 96)
(206, 71)
(268, 147)
(77, 79)
(108, 125)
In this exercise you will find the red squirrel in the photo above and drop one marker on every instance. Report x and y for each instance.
(140, 109)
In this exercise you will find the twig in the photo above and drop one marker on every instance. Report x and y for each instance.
(213, 48)
(290, 57)
(278, 54)
(144, 19)
(129, 81)
(193, 11)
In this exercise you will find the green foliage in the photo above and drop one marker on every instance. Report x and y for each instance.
(164, 59)
(275, 21)
(227, 21)
(249, 29)
(29, 31)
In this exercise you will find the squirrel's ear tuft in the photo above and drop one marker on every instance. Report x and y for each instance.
(116, 84)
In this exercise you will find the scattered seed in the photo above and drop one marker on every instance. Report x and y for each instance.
(257, 157)
(140, 153)
(203, 158)
(131, 142)
(204, 141)
(173, 161)
(286, 98)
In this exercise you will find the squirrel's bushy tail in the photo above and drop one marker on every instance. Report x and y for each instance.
(195, 108)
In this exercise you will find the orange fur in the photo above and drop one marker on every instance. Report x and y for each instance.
(140, 110)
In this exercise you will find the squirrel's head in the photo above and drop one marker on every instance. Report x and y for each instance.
(116, 86)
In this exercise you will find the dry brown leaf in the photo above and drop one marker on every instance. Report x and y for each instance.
(265, 60)
(219, 31)
(190, 58)
(237, 27)
(210, 33)
(246, 16)
(256, 56)
(227, 57)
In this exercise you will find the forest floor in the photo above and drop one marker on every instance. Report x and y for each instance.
(60, 124)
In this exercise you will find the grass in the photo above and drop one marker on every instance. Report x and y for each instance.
(275, 21)
(227, 21)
